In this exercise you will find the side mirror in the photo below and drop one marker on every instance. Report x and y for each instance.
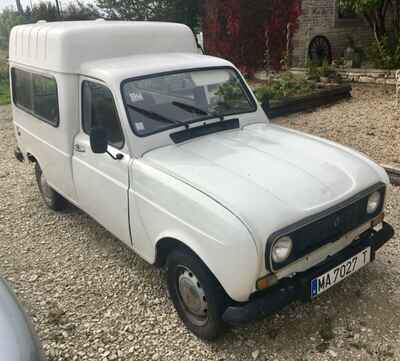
(98, 140)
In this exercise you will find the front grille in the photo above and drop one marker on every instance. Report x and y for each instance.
(326, 229)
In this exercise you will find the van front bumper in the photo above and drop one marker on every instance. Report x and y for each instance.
(298, 288)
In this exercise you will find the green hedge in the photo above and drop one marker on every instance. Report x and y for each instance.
(4, 81)
(4, 87)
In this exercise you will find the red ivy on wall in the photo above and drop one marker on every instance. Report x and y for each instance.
(236, 30)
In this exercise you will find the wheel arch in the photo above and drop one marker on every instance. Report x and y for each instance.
(167, 245)
(31, 158)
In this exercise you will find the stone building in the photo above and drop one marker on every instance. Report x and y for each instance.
(325, 26)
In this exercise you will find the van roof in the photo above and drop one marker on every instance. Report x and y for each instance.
(116, 70)
(65, 46)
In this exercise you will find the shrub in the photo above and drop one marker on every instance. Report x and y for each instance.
(285, 86)
(358, 56)
(8, 19)
(326, 70)
(4, 84)
(385, 54)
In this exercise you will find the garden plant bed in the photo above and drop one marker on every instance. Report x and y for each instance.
(320, 97)
(394, 174)
(286, 93)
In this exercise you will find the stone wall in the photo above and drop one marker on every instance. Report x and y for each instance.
(376, 76)
(369, 76)
(320, 17)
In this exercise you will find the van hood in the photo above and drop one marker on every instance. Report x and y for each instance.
(266, 175)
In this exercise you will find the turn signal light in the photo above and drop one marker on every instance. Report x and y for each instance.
(266, 282)
(378, 220)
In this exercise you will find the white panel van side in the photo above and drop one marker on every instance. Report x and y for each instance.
(50, 144)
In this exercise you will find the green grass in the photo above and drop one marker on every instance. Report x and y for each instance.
(4, 93)
(4, 82)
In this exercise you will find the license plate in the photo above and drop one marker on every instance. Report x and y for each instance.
(322, 283)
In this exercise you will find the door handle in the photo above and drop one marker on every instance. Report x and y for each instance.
(79, 148)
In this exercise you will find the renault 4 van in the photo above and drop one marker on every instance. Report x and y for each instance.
(170, 151)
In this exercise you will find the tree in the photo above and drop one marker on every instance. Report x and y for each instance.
(80, 11)
(183, 11)
(8, 19)
(383, 16)
(19, 7)
(74, 11)
(375, 12)
(44, 11)
(129, 9)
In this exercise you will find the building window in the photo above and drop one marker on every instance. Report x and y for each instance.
(345, 11)
(36, 94)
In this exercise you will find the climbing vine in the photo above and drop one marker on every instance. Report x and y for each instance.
(239, 30)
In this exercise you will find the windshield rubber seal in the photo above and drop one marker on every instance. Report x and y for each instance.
(174, 126)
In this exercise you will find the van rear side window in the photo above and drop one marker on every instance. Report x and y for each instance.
(36, 94)
(22, 88)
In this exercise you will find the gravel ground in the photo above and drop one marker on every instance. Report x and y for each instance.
(93, 299)
(370, 122)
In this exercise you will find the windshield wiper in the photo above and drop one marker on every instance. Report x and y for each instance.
(156, 116)
(190, 108)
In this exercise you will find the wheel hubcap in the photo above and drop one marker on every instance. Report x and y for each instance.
(46, 190)
(192, 296)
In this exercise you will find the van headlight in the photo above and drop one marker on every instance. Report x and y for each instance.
(281, 249)
(374, 201)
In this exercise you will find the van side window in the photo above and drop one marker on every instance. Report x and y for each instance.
(98, 110)
(45, 98)
(22, 89)
(36, 94)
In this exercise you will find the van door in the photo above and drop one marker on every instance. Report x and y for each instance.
(102, 182)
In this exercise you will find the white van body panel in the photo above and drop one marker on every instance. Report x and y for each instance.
(301, 175)
(222, 195)
(52, 146)
(166, 208)
(64, 46)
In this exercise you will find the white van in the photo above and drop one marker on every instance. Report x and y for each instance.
(170, 151)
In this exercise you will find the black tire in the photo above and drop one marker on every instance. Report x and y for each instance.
(51, 198)
(181, 262)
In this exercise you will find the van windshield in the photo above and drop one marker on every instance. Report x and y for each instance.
(162, 102)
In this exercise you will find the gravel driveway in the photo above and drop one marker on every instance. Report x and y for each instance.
(93, 299)
(370, 122)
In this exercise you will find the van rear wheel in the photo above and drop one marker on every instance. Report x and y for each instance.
(197, 296)
(51, 198)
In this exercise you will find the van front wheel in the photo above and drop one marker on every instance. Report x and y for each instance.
(51, 198)
(197, 296)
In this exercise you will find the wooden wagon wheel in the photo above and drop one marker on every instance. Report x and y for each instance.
(320, 50)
